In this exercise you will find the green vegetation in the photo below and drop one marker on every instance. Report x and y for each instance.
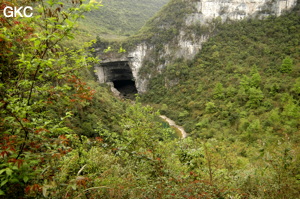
(251, 71)
(55, 118)
(64, 136)
(118, 19)
(241, 91)
(163, 26)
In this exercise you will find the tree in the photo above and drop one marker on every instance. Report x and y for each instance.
(210, 107)
(286, 66)
(255, 97)
(245, 83)
(296, 87)
(255, 80)
(219, 91)
(39, 80)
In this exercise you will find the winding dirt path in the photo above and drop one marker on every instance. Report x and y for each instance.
(172, 123)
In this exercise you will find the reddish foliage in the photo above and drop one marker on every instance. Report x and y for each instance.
(81, 181)
(33, 188)
(8, 145)
(34, 145)
(62, 151)
(27, 189)
(37, 131)
(82, 92)
(4, 154)
(99, 139)
(25, 120)
(19, 162)
(64, 139)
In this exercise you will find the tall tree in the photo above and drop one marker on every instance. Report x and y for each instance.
(38, 79)
(286, 65)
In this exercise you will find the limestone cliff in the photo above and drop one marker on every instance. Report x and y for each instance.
(207, 10)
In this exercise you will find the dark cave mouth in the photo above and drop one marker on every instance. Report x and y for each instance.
(120, 74)
(127, 88)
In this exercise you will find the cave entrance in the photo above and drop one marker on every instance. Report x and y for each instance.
(126, 88)
(120, 74)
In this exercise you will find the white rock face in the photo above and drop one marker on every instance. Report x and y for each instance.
(188, 48)
(207, 10)
(136, 60)
(100, 74)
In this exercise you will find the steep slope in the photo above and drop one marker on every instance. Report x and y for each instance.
(182, 26)
(118, 18)
(244, 83)
(238, 99)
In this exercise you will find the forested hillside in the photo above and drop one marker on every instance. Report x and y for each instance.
(117, 19)
(242, 89)
(62, 135)
(247, 72)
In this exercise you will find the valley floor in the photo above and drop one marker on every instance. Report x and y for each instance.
(173, 124)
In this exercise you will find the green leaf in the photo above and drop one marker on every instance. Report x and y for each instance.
(1, 171)
(74, 187)
(14, 180)
(37, 42)
(3, 183)
(25, 179)
(2, 193)
(9, 171)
